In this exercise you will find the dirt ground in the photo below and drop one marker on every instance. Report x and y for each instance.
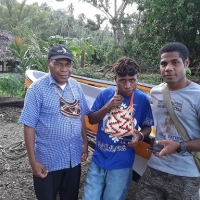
(15, 173)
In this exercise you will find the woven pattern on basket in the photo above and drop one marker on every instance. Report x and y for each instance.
(70, 109)
(120, 122)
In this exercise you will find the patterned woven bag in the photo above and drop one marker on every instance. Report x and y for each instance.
(120, 122)
(69, 109)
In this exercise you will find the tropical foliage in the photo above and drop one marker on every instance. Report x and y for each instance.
(168, 21)
(10, 86)
(138, 34)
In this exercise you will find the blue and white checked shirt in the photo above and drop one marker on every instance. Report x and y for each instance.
(58, 138)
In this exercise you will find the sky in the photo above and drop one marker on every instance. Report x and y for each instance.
(79, 7)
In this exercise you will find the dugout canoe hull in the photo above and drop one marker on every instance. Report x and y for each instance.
(91, 88)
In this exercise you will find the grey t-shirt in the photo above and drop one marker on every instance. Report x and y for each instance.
(186, 104)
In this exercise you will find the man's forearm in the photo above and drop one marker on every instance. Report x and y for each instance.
(146, 131)
(83, 132)
(193, 145)
(97, 116)
(29, 138)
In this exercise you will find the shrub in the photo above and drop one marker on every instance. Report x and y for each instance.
(87, 72)
(10, 86)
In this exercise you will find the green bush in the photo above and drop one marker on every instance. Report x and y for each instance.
(153, 79)
(10, 86)
(87, 72)
(90, 72)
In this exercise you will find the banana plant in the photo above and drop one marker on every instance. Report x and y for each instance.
(21, 52)
(29, 53)
(80, 48)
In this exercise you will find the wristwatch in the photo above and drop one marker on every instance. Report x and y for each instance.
(182, 148)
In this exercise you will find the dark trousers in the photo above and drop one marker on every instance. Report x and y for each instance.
(65, 182)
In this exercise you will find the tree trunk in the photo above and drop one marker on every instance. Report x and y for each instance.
(82, 58)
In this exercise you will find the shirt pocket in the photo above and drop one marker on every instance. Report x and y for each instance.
(50, 107)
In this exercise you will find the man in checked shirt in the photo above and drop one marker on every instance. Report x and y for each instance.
(54, 129)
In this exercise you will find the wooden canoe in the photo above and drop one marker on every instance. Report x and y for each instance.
(91, 88)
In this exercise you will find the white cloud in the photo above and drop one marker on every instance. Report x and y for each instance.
(79, 7)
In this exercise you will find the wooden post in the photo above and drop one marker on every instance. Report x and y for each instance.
(2, 63)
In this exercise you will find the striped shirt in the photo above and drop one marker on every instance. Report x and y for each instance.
(58, 138)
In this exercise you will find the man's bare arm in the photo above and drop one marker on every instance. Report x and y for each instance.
(97, 116)
(85, 141)
(29, 137)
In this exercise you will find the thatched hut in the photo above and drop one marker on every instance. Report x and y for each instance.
(6, 38)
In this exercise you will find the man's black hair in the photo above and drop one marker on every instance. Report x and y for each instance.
(174, 47)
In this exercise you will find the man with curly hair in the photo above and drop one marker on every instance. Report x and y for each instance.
(120, 111)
